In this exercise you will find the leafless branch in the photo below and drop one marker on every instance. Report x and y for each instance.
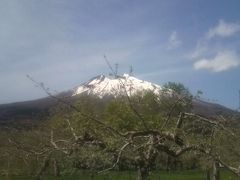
(56, 146)
(118, 158)
(127, 95)
(234, 170)
(72, 130)
(27, 149)
(180, 98)
(206, 120)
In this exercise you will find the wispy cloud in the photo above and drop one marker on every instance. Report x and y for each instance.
(174, 41)
(223, 61)
(214, 57)
(204, 45)
(200, 49)
(223, 29)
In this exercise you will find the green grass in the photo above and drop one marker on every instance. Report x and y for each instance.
(127, 175)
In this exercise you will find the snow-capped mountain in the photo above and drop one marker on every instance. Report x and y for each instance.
(115, 86)
(101, 86)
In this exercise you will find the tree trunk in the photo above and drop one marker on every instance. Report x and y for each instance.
(143, 173)
(43, 168)
(215, 171)
(56, 168)
(208, 174)
(168, 163)
(175, 164)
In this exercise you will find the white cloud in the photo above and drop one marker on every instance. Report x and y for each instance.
(173, 41)
(205, 45)
(223, 29)
(223, 61)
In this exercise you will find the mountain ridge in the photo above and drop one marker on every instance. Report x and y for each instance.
(100, 86)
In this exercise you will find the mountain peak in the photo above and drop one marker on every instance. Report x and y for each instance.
(115, 85)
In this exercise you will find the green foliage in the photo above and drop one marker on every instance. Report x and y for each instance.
(141, 112)
(180, 95)
(178, 88)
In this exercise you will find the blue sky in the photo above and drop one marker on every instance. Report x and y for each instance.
(62, 43)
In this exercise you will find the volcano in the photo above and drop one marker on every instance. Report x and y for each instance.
(100, 86)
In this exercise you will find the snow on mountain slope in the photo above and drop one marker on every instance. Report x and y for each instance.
(115, 86)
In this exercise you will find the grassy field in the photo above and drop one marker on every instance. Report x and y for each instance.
(181, 175)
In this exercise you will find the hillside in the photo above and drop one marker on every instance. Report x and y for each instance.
(100, 86)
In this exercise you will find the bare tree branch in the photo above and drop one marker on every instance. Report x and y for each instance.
(27, 149)
(214, 123)
(118, 158)
(56, 146)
